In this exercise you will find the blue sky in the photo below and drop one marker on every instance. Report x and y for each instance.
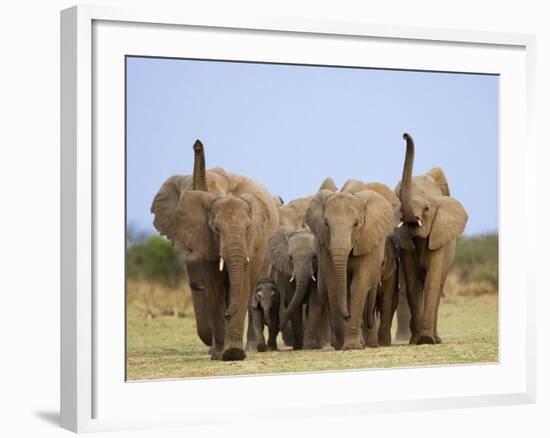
(291, 126)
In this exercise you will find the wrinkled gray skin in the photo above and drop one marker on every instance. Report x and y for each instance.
(431, 221)
(264, 311)
(292, 256)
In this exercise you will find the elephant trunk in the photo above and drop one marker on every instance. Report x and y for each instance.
(235, 268)
(199, 168)
(302, 282)
(266, 307)
(340, 263)
(405, 193)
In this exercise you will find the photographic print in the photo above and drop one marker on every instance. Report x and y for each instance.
(298, 218)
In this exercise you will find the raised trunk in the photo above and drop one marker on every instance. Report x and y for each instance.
(340, 263)
(406, 180)
(302, 283)
(199, 168)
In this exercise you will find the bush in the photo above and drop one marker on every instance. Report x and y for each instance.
(157, 280)
(154, 259)
(476, 259)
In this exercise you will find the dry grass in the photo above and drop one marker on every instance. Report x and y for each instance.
(168, 347)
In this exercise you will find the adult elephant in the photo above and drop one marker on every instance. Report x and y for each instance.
(431, 221)
(220, 223)
(387, 294)
(351, 230)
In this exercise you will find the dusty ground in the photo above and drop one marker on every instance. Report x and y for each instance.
(168, 347)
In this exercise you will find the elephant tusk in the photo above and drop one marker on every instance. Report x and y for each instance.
(419, 223)
(313, 277)
(247, 259)
(400, 224)
(292, 279)
(221, 263)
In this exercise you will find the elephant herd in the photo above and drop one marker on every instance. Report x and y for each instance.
(326, 269)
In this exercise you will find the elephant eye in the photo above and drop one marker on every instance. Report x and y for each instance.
(291, 258)
(326, 223)
(426, 208)
(356, 224)
(216, 230)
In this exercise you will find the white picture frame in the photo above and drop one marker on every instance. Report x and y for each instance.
(93, 396)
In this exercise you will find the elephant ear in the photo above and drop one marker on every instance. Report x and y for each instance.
(378, 222)
(315, 217)
(259, 215)
(165, 204)
(390, 196)
(189, 225)
(449, 222)
(277, 250)
(439, 177)
(328, 184)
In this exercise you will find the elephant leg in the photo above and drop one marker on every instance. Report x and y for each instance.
(216, 308)
(361, 286)
(272, 338)
(256, 319)
(200, 302)
(414, 293)
(388, 304)
(436, 334)
(234, 326)
(336, 322)
(312, 330)
(298, 330)
(372, 334)
(403, 312)
(252, 339)
(288, 335)
(432, 294)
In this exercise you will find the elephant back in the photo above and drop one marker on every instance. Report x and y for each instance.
(293, 214)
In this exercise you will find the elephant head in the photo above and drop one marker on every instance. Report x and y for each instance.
(293, 253)
(211, 225)
(427, 210)
(266, 297)
(348, 224)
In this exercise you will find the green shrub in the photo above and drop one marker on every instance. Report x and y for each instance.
(477, 258)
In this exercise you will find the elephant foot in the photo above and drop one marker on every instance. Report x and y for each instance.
(233, 353)
(437, 339)
(271, 348)
(384, 341)
(372, 344)
(298, 347)
(402, 336)
(215, 354)
(261, 348)
(312, 346)
(426, 339)
(352, 346)
(251, 346)
(413, 340)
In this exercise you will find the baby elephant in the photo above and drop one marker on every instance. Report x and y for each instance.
(265, 311)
